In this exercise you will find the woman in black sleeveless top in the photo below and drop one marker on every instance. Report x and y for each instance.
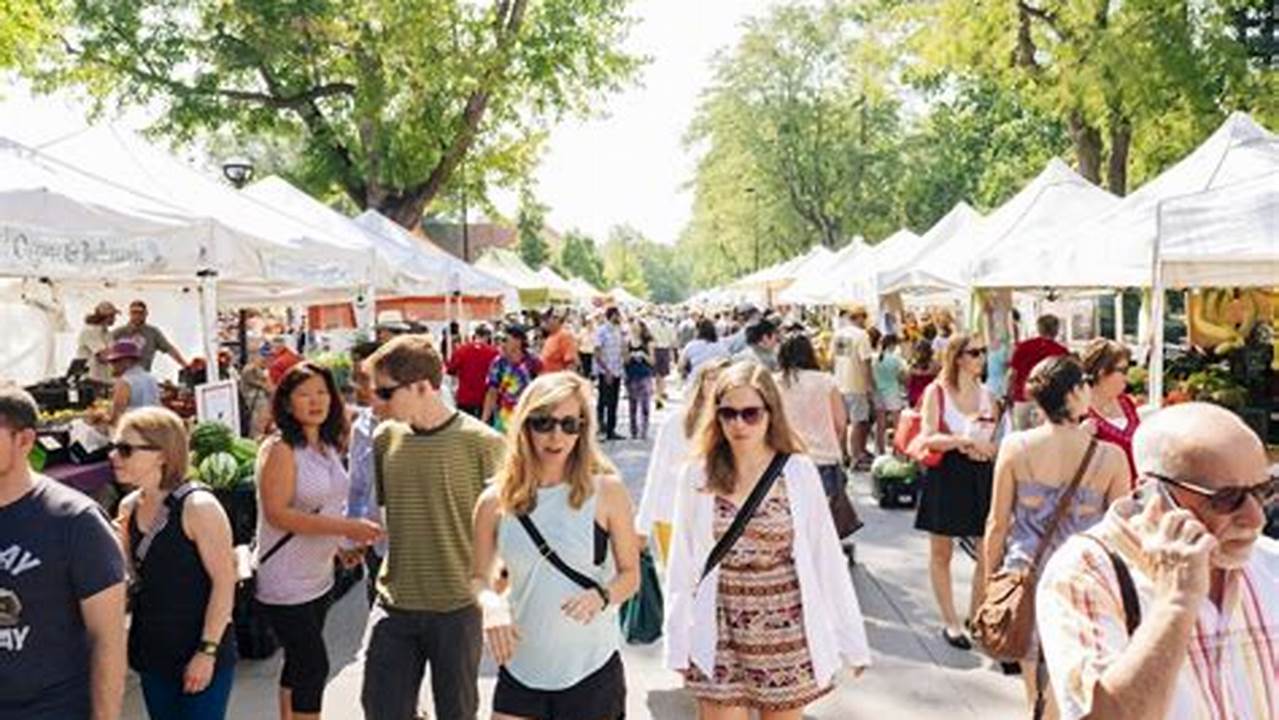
(178, 541)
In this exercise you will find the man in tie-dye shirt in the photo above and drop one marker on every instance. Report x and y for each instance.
(510, 373)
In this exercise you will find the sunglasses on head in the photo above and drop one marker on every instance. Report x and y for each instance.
(748, 415)
(546, 424)
(126, 450)
(1226, 500)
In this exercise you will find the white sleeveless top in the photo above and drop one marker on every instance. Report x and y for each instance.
(302, 570)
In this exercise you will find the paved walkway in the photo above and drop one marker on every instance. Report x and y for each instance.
(915, 675)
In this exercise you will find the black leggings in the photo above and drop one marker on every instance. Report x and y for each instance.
(300, 630)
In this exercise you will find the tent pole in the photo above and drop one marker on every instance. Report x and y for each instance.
(1119, 316)
(1156, 384)
(209, 322)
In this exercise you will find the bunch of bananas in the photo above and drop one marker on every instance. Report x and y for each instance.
(1221, 321)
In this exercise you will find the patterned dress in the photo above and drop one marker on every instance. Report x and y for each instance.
(761, 658)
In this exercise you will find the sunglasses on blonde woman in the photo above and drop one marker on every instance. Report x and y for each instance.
(748, 415)
(546, 424)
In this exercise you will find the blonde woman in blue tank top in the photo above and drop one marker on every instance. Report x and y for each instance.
(557, 643)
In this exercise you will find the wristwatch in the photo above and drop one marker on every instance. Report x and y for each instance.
(208, 648)
(603, 592)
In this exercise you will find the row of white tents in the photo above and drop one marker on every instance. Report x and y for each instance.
(102, 214)
(1211, 219)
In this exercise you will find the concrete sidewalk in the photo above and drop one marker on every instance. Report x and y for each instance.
(915, 674)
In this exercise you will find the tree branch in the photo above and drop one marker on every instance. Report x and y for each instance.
(407, 208)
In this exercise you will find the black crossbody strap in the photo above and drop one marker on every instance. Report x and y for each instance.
(745, 513)
(553, 558)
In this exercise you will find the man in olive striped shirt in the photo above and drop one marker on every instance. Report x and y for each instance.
(430, 465)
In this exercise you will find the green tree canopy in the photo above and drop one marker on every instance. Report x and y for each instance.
(579, 257)
(530, 223)
(385, 98)
(1137, 83)
(622, 261)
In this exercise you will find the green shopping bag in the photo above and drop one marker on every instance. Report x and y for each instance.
(641, 616)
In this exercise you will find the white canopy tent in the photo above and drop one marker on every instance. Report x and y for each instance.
(421, 258)
(1052, 202)
(863, 285)
(556, 283)
(68, 241)
(584, 293)
(294, 255)
(1225, 237)
(903, 272)
(1113, 249)
(822, 284)
(622, 296)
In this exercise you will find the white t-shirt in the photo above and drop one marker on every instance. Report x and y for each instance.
(698, 352)
(807, 403)
(853, 353)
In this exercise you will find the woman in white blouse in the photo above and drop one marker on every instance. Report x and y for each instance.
(769, 626)
(666, 464)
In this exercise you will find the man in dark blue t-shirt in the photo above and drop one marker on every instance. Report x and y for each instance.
(62, 641)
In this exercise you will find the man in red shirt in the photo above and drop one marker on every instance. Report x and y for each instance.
(559, 352)
(1026, 356)
(470, 365)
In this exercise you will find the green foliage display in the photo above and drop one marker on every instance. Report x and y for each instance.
(382, 99)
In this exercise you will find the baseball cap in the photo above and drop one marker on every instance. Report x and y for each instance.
(106, 308)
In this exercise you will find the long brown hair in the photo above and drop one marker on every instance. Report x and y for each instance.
(707, 373)
(955, 348)
(516, 482)
(712, 444)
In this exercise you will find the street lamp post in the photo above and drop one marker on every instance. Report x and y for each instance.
(239, 171)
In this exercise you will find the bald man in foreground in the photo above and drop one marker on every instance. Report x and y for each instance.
(1203, 591)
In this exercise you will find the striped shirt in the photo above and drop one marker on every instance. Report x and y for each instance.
(1231, 669)
(428, 483)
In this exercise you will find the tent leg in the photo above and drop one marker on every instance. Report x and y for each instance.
(1119, 316)
(209, 322)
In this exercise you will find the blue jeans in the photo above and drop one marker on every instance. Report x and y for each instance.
(166, 701)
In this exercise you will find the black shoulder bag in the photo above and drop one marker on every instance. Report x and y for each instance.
(745, 513)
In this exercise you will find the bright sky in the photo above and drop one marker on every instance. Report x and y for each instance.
(630, 166)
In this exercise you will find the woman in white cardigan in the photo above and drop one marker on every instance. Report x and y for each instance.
(666, 464)
(770, 625)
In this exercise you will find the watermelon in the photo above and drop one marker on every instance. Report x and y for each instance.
(209, 438)
(220, 470)
(891, 467)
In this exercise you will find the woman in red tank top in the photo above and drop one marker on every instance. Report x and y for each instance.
(923, 370)
(1113, 412)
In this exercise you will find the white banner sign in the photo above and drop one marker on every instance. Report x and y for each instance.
(33, 253)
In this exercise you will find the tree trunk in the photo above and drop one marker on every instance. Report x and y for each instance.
(1120, 144)
(1088, 149)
